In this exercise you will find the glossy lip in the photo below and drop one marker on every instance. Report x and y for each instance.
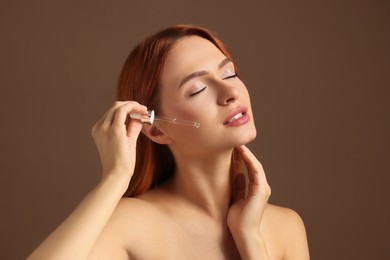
(237, 110)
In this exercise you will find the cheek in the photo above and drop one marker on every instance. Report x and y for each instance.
(185, 108)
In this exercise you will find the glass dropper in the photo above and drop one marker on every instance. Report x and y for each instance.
(150, 117)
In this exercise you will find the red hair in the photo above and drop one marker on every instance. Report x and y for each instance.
(140, 81)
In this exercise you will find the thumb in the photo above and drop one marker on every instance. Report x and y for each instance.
(134, 128)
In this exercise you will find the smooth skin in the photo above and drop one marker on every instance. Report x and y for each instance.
(191, 216)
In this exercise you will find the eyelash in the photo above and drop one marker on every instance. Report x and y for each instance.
(199, 91)
(231, 76)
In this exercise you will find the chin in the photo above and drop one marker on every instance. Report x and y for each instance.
(251, 138)
(247, 137)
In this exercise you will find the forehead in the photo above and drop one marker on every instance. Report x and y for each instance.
(188, 55)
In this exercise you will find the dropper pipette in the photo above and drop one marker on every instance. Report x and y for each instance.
(150, 117)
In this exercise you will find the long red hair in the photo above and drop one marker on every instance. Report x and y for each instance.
(140, 81)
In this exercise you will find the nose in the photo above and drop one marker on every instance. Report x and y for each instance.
(228, 93)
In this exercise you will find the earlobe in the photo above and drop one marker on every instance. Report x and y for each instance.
(155, 134)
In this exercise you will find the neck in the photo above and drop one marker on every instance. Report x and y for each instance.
(205, 183)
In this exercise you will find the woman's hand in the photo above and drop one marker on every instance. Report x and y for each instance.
(245, 214)
(115, 142)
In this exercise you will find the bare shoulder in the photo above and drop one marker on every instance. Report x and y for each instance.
(286, 217)
(286, 226)
(137, 214)
(134, 207)
(134, 221)
(144, 207)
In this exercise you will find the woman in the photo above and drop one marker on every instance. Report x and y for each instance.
(187, 196)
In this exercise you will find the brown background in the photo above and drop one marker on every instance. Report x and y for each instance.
(318, 73)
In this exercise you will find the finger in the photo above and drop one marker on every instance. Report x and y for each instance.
(122, 112)
(105, 120)
(256, 174)
(251, 163)
(108, 117)
(133, 129)
(239, 187)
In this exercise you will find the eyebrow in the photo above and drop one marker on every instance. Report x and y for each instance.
(202, 72)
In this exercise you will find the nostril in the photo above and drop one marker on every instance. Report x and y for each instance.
(228, 94)
(230, 100)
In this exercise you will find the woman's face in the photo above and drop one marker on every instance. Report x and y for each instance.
(198, 83)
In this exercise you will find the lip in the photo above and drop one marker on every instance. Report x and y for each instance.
(239, 121)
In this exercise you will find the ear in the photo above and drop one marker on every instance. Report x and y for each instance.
(155, 134)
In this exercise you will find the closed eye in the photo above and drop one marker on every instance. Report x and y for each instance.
(231, 76)
(197, 92)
